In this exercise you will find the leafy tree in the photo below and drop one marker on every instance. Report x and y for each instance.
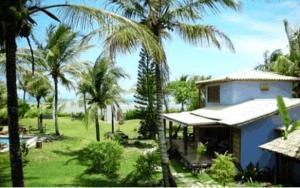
(103, 88)
(163, 17)
(82, 88)
(39, 87)
(145, 95)
(186, 92)
(223, 169)
(289, 126)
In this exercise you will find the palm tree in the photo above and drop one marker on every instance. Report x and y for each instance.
(103, 88)
(16, 17)
(39, 87)
(83, 86)
(59, 59)
(163, 17)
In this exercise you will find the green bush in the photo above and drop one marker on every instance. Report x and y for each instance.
(223, 169)
(133, 114)
(201, 149)
(23, 107)
(102, 158)
(144, 170)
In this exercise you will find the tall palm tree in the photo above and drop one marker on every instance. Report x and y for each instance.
(163, 17)
(59, 59)
(39, 87)
(83, 86)
(103, 88)
(16, 18)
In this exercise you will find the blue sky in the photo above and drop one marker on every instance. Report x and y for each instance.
(256, 28)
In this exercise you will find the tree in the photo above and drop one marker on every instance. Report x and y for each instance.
(82, 87)
(181, 90)
(163, 17)
(145, 95)
(16, 17)
(58, 57)
(103, 88)
(39, 87)
(285, 64)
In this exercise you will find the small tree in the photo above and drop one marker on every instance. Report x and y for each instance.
(223, 169)
(289, 126)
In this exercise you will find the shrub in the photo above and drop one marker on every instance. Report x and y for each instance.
(118, 136)
(201, 149)
(254, 173)
(23, 107)
(223, 169)
(133, 114)
(3, 115)
(102, 158)
(144, 169)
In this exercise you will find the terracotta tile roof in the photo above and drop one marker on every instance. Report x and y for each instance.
(252, 75)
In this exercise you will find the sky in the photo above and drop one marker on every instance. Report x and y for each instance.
(258, 27)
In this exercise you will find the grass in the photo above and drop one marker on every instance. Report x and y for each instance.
(53, 166)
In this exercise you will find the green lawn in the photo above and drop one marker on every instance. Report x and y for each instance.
(54, 164)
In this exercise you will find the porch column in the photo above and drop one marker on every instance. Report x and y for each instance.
(165, 127)
(196, 135)
(185, 140)
(170, 132)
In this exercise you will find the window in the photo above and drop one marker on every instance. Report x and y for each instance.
(264, 87)
(213, 94)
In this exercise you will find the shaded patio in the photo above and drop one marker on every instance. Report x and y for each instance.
(195, 129)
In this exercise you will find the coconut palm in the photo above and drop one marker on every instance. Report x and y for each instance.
(182, 17)
(16, 17)
(58, 57)
(103, 88)
(83, 86)
(39, 87)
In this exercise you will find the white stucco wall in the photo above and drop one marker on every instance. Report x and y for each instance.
(238, 91)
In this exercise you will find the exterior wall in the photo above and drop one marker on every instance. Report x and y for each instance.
(237, 92)
(260, 132)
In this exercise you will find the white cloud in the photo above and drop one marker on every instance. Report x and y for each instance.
(254, 24)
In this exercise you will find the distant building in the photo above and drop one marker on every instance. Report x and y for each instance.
(239, 115)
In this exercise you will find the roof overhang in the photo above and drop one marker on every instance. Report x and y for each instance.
(188, 119)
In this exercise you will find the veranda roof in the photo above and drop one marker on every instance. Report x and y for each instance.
(252, 75)
(232, 115)
(186, 118)
(289, 147)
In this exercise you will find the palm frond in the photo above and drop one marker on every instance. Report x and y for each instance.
(201, 34)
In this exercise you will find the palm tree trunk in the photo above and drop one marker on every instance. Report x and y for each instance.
(24, 95)
(97, 126)
(112, 120)
(12, 107)
(84, 102)
(167, 176)
(55, 105)
(40, 118)
(166, 104)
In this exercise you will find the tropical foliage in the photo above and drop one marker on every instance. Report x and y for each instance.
(102, 88)
(289, 125)
(102, 157)
(163, 17)
(223, 169)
